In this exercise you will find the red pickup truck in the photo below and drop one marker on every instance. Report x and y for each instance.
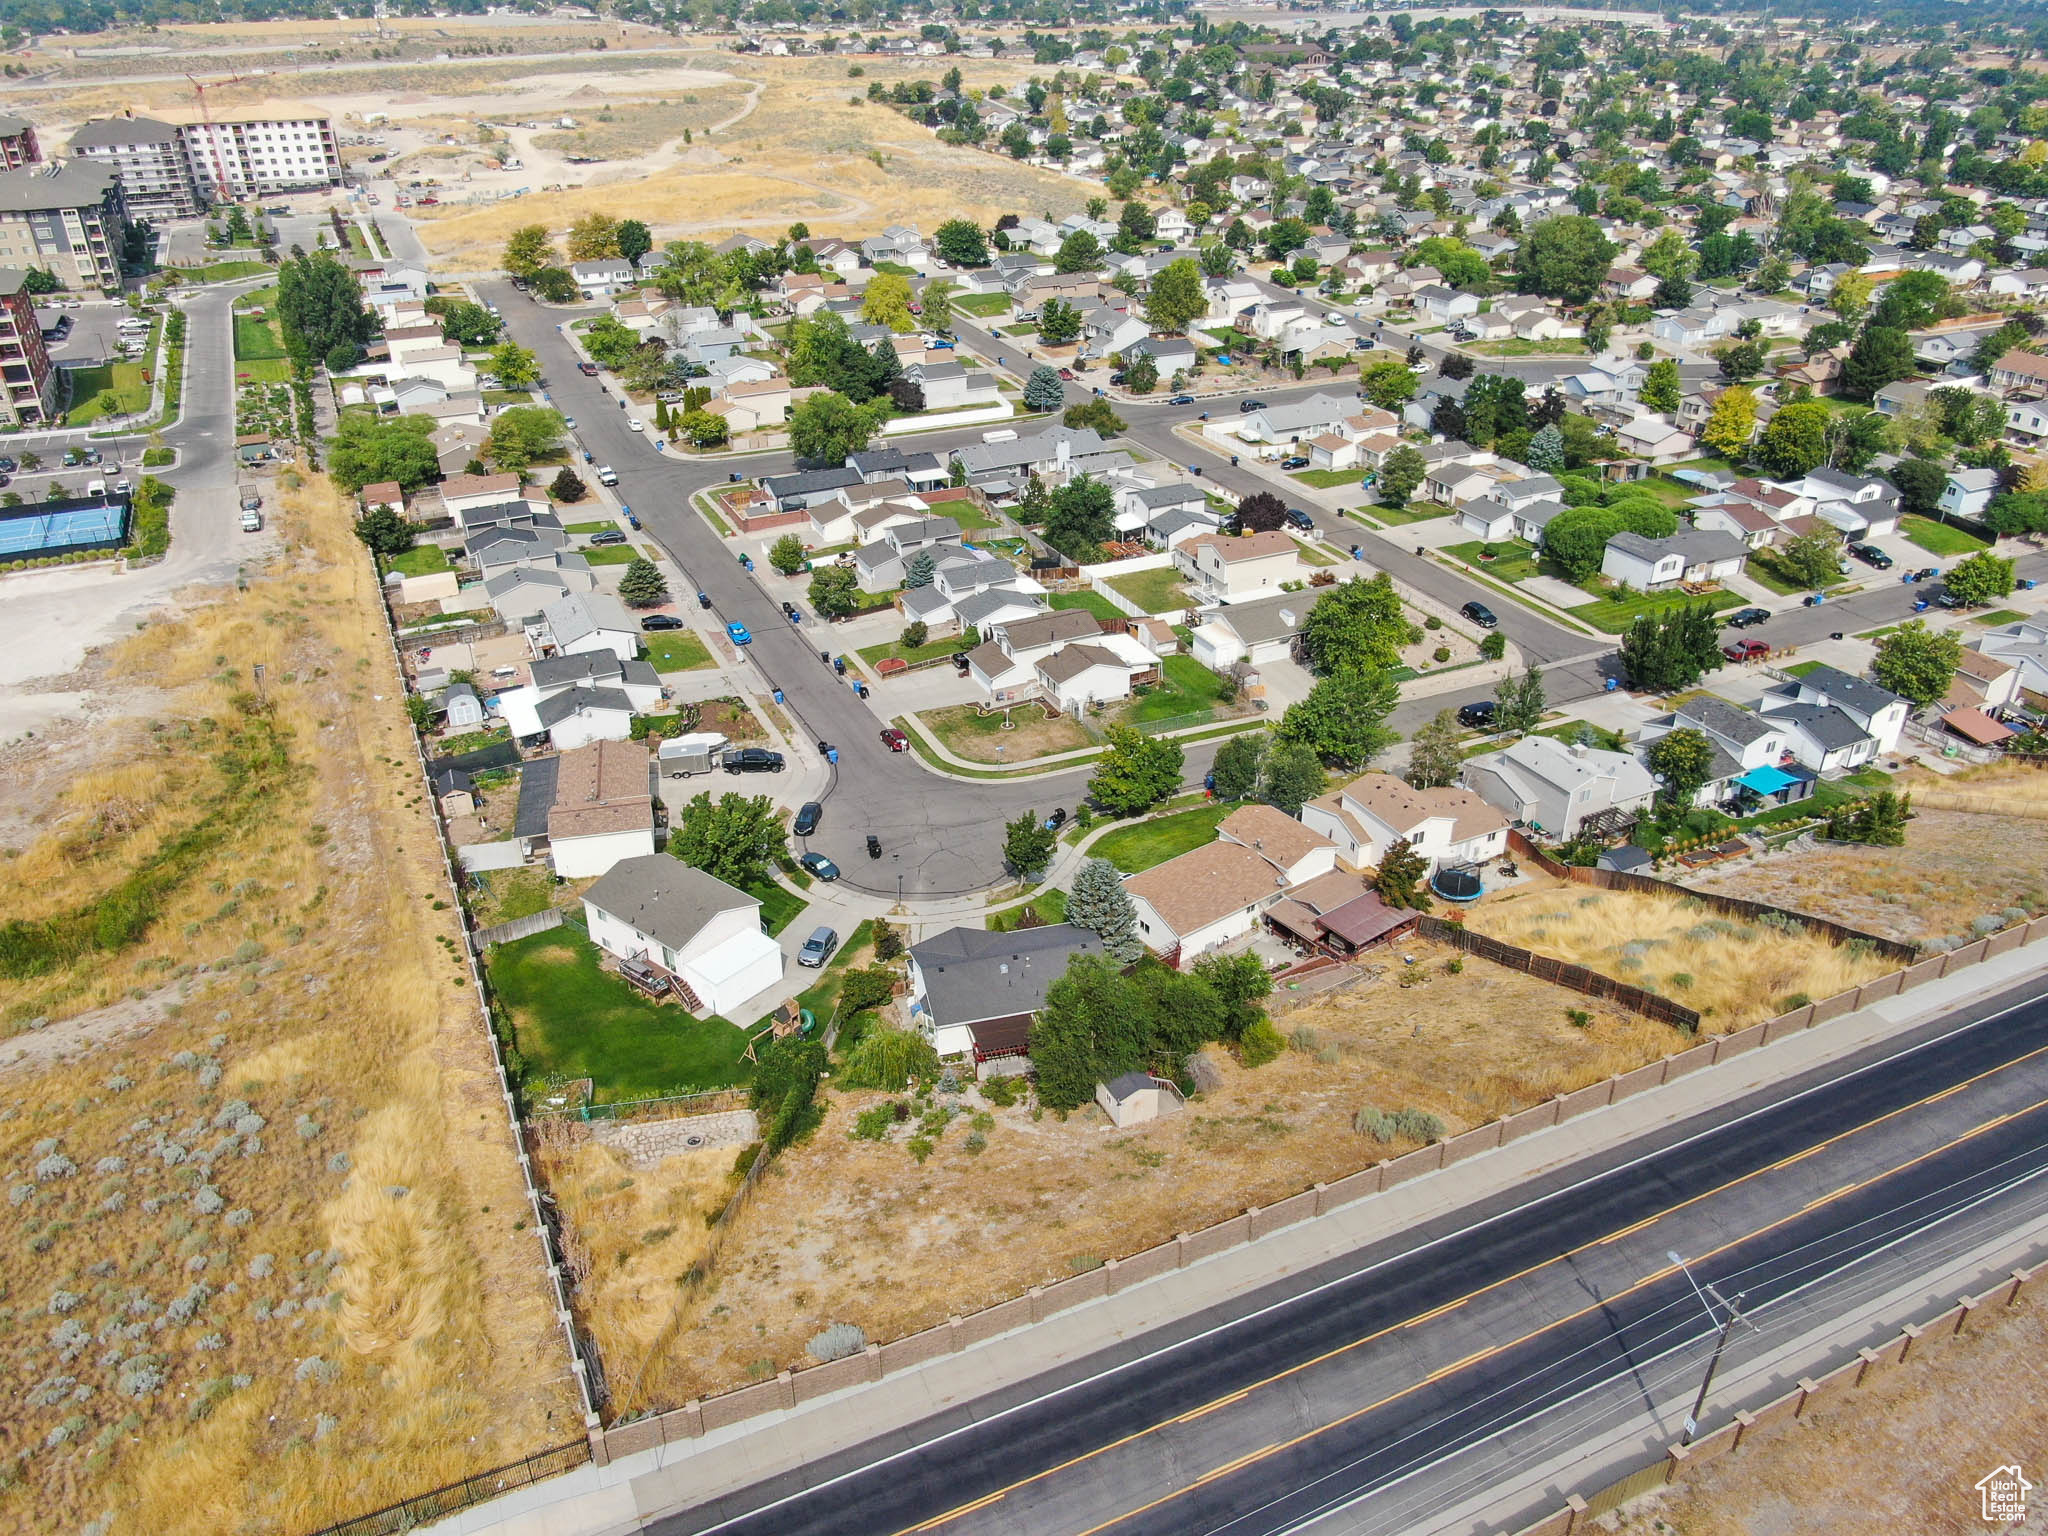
(1746, 650)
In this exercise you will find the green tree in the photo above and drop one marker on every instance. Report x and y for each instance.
(887, 302)
(515, 366)
(1731, 422)
(734, 838)
(1881, 356)
(1681, 760)
(1660, 386)
(641, 584)
(320, 307)
(555, 285)
(1028, 844)
(920, 571)
(1917, 663)
(1565, 257)
(594, 237)
(1796, 440)
(1520, 702)
(1236, 768)
(1879, 821)
(827, 428)
(1671, 650)
(1079, 252)
(1343, 718)
(1357, 626)
(1546, 450)
(369, 449)
(1402, 878)
(1401, 474)
(529, 250)
(1389, 384)
(1141, 376)
(633, 239)
(1291, 776)
(520, 434)
(1058, 322)
(786, 554)
(1981, 578)
(1811, 558)
(1079, 515)
(1090, 1029)
(1135, 771)
(1240, 982)
(1176, 298)
(567, 486)
(1100, 904)
(1043, 390)
(1920, 483)
(385, 531)
(938, 299)
(961, 242)
(2014, 511)
(1097, 414)
(703, 429)
(1435, 753)
(835, 592)
(463, 323)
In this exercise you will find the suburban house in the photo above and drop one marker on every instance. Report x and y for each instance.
(972, 991)
(1877, 714)
(603, 808)
(1689, 555)
(1223, 569)
(1488, 519)
(882, 564)
(517, 591)
(1545, 784)
(1365, 817)
(465, 493)
(1297, 850)
(2023, 646)
(575, 700)
(1004, 664)
(1080, 675)
(602, 279)
(584, 621)
(1747, 746)
(1968, 492)
(1297, 419)
(656, 911)
(1260, 631)
(1208, 896)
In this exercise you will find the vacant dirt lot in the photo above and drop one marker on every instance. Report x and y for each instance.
(1734, 973)
(856, 1231)
(1956, 867)
(1901, 1455)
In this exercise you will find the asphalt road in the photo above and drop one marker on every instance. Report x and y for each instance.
(1383, 1369)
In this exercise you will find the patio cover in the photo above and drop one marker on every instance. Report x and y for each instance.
(1358, 923)
(1297, 919)
(1975, 725)
(1767, 780)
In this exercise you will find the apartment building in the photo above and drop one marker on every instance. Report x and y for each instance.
(18, 146)
(233, 160)
(149, 158)
(68, 218)
(28, 384)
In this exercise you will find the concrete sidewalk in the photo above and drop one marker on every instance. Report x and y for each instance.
(594, 1501)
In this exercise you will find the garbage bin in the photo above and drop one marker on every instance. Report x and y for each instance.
(832, 756)
(777, 694)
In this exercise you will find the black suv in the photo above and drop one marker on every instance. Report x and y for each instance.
(1744, 618)
(1480, 614)
(753, 760)
(1479, 715)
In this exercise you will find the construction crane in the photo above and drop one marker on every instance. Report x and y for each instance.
(220, 170)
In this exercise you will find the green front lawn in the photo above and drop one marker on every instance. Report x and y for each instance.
(570, 1018)
(676, 650)
(2000, 616)
(614, 554)
(1187, 687)
(1568, 731)
(1093, 602)
(896, 650)
(1613, 617)
(982, 306)
(1328, 479)
(1943, 539)
(223, 271)
(1763, 569)
(121, 384)
(1146, 843)
(1156, 591)
(267, 370)
(780, 906)
(1511, 562)
(1801, 668)
(508, 397)
(585, 530)
(1522, 346)
(420, 560)
(1050, 906)
(256, 337)
(1414, 512)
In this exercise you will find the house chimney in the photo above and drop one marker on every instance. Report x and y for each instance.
(1580, 749)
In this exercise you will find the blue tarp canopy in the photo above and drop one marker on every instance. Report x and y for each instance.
(1767, 780)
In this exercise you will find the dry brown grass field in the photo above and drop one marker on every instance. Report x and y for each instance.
(1901, 1454)
(855, 1231)
(264, 1267)
(1735, 974)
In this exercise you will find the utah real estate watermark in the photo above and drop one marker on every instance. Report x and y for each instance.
(2004, 1491)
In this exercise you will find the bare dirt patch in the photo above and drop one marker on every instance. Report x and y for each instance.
(1957, 867)
(842, 1230)
(1033, 733)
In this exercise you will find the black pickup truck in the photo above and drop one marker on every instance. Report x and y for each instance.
(753, 760)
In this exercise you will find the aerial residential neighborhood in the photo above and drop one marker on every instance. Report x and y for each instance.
(1023, 769)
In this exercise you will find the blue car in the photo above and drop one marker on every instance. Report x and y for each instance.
(737, 634)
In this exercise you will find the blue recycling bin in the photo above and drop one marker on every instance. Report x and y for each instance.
(778, 695)
(1612, 684)
(832, 756)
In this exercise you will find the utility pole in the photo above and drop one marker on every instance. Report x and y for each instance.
(1730, 1314)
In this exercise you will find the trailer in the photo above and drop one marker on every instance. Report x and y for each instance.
(682, 757)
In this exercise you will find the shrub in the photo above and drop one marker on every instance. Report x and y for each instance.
(837, 1342)
(1578, 1017)
(1202, 1072)
(1260, 1043)
(1003, 1091)
(887, 1059)
(873, 1124)
(1793, 1001)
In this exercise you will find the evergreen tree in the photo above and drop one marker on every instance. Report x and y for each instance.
(1401, 877)
(921, 569)
(641, 585)
(1099, 903)
(1043, 390)
(1546, 450)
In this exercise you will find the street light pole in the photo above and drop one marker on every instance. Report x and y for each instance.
(1710, 1299)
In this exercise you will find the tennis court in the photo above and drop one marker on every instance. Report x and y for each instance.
(45, 531)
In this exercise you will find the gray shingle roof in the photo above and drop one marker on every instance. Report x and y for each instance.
(971, 974)
(662, 897)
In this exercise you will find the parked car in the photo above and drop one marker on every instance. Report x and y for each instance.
(1947, 599)
(820, 867)
(1246, 406)
(960, 662)
(8, 464)
(1746, 650)
(588, 370)
(606, 475)
(1871, 556)
(633, 424)
(1480, 715)
(1480, 614)
(738, 634)
(753, 760)
(894, 739)
(655, 621)
(1748, 618)
(1300, 519)
(607, 537)
(818, 949)
(1182, 400)
(1295, 461)
(252, 522)
(808, 816)
(703, 599)
(1067, 374)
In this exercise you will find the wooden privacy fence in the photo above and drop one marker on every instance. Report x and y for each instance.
(1727, 906)
(792, 1389)
(518, 928)
(1651, 1005)
(1911, 1345)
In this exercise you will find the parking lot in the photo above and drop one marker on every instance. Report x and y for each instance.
(93, 333)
